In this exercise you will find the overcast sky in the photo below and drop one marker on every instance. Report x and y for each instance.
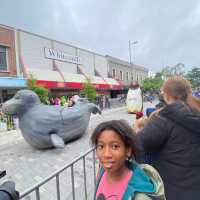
(168, 32)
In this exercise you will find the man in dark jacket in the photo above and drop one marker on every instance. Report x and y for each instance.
(173, 138)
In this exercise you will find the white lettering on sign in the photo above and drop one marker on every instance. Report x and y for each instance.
(62, 56)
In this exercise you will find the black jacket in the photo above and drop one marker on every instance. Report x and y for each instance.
(173, 140)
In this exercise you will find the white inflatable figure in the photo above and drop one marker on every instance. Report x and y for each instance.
(134, 101)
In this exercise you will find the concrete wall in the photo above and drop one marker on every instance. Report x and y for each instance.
(123, 68)
(101, 65)
(31, 47)
(32, 51)
(135, 73)
(87, 60)
(66, 66)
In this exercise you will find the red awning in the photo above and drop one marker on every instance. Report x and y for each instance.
(76, 85)
(52, 79)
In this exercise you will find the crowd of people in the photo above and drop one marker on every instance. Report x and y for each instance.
(196, 92)
(102, 101)
(156, 159)
(64, 101)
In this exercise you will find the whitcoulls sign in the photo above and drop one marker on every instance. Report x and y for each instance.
(62, 56)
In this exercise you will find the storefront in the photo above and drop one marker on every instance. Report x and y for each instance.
(72, 83)
(60, 67)
(63, 68)
(9, 86)
(10, 82)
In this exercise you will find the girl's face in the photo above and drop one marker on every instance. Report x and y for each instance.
(111, 151)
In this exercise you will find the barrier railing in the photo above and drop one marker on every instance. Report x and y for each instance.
(28, 194)
(8, 122)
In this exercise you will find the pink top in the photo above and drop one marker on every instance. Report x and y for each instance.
(113, 191)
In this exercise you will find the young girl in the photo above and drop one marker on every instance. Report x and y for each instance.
(120, 178)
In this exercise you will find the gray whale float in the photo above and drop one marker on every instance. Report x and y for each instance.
(47, 126)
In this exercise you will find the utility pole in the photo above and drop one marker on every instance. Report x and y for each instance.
(130, 51)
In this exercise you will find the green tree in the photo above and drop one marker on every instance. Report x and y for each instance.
(194, 76)
(89, 91)
(152, 84)
(41, 91)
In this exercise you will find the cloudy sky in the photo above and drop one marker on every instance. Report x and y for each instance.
(167, 32)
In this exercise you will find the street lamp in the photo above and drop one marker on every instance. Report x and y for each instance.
(131, 43)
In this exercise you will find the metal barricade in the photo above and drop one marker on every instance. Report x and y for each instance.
(36, 188)
(8, 122)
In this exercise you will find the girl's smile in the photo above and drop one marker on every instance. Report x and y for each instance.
(108, 165)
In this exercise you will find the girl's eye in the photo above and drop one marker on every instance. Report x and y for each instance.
(115, 146)
(99, 147)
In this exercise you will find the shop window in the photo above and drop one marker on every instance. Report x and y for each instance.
(3, 59)
(121, 75)
(127, 77)
(114, 73)
(96, 73)
(132, 76)
(78, 70)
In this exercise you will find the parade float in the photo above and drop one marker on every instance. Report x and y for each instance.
(134, 102)
(48, 126)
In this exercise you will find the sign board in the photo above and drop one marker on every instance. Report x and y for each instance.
(62, 56)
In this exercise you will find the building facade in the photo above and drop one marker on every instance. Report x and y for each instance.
(10, 82)
(125, 72)
(61, 67)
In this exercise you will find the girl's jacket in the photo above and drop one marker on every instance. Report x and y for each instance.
(145, 183)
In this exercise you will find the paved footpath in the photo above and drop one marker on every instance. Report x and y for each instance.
(28, 166)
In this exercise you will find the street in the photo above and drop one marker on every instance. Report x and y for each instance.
(28, 166)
